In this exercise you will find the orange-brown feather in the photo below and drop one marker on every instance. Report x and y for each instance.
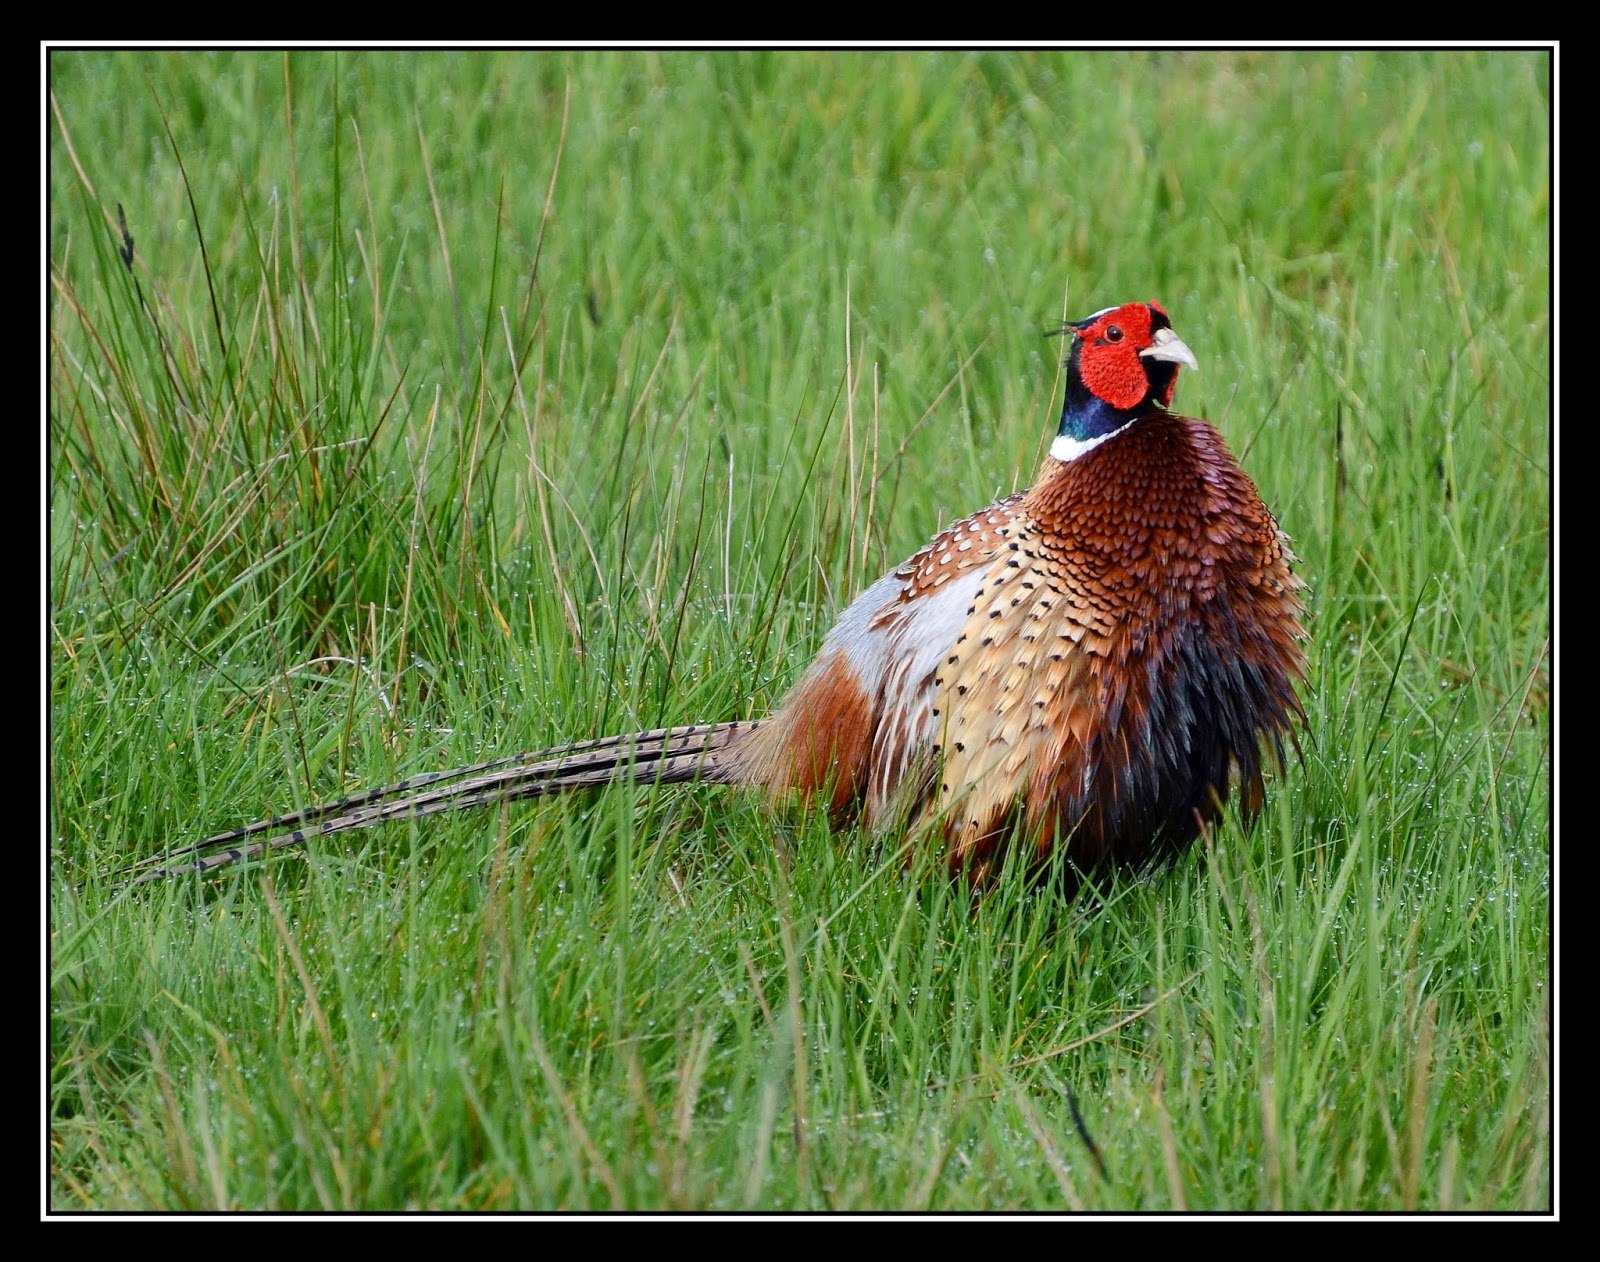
(819, 740)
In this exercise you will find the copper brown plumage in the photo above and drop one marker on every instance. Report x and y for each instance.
(1127, 660)
(1095, 662)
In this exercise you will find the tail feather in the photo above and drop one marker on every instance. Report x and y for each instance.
(663, 756)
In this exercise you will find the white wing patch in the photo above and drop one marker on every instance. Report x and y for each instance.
(917, 638)
(883, 660)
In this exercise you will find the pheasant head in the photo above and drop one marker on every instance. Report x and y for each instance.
(1123, 362)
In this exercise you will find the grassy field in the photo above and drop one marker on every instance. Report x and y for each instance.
(462, 403)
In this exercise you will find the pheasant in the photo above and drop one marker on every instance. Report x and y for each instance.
(1093, 663)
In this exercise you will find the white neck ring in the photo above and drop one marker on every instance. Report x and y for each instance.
(1067, 449)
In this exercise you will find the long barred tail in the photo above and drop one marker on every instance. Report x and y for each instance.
(669, 755)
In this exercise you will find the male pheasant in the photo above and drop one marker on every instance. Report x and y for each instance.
(1092, 663)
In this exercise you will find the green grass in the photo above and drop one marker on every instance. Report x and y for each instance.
(457, 404)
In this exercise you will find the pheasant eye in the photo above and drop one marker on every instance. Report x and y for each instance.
(1113, 334)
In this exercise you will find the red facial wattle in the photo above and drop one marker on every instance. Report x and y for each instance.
(1109, 360)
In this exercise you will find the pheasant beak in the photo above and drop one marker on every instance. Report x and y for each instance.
(1168, 345)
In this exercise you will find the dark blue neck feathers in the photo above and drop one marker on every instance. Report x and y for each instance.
(1084, 416)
